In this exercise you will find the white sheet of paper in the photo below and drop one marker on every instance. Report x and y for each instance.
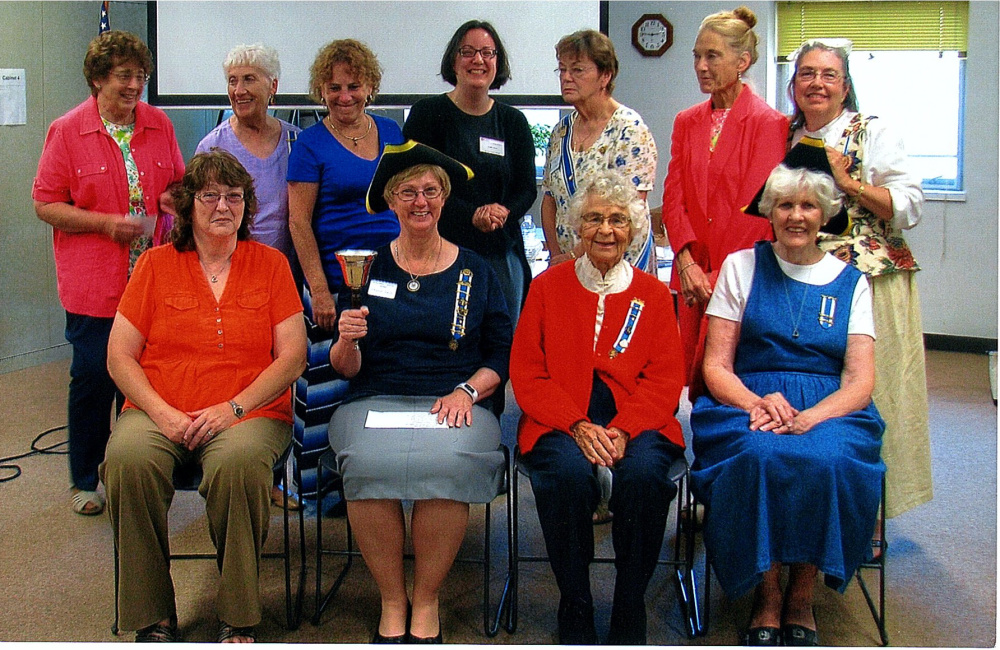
(13, 96)
(403, 420)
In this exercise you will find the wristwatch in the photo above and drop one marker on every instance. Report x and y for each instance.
(472, 392)
(237, 410)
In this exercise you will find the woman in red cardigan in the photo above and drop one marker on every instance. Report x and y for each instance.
(597, 370)
(721, 152)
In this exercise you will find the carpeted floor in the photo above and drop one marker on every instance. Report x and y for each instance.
(56, 577)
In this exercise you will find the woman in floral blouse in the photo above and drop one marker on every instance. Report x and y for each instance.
(883, 199)
(599, 134)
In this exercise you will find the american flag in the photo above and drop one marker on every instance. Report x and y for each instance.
(105, 21)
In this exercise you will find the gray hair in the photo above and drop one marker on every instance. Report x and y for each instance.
(616, 189)
(839, 47)
(785, 181)
(258, 56)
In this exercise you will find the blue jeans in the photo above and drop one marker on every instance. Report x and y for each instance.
(92, 393)
(566, 494)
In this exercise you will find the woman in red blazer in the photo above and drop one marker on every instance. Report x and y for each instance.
(721, 152)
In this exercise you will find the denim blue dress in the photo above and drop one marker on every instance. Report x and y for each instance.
(809, 498)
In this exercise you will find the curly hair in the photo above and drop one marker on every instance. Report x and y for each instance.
(360, 60)
(617, 190)
(736, 27)
(114, 48)
(451, 54)
(408, 174)
(786, 181)
(215, 166)
(258, 56)
(595, 46)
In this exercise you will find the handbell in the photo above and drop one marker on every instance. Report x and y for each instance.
(355, 264)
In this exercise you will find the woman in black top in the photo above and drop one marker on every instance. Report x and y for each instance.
(495, 141)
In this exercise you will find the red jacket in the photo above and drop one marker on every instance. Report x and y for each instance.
(81, 164)
(703, 194)
(553, 357)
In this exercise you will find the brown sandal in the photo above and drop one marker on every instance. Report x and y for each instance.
(227, 632)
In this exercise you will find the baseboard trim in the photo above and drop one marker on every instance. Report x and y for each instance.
(948, 343)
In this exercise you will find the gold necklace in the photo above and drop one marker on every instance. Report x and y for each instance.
(333, 126)
(413, 285)
(214, 277)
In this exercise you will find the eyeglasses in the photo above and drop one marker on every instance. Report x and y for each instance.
(828, 76)
(469, 52)
(594, 220)
(211, 199)
(125, 77)
(409, 195)
(575, 72)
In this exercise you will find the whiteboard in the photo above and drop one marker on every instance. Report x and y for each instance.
(191, 39)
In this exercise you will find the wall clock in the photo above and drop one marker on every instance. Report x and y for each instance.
(652, 35)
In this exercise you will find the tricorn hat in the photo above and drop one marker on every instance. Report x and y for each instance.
(399, 157)
(809, 153)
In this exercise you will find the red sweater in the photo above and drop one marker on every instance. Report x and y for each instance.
(553, 357)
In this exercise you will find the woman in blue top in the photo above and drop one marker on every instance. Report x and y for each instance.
(787, 444)
(329, 170)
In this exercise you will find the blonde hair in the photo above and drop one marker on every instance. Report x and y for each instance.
(440, 175)
(736, 27)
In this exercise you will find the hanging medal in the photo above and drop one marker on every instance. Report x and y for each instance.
(462, 291)
(628, 328)
(826, 310)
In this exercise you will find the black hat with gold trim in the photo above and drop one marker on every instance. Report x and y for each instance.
(399, 157)
(809, 153)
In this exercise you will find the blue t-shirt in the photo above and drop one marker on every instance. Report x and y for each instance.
(340, 219)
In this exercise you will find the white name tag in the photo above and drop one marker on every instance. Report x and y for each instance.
(382, 289)
(491, 146)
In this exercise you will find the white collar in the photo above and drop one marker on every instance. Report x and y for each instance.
(616, 280)
(835, 126)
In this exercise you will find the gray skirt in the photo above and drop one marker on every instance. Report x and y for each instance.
(461, 464)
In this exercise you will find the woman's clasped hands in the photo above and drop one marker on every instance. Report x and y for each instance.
(773, 413)
(602, 446)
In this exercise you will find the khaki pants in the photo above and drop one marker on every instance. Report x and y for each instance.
(138, 475)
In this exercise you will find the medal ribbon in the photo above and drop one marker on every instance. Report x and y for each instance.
(628, 328)
(462, 291)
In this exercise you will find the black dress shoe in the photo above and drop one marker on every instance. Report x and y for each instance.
(798, 635)
(757, 636)
(378, 638)
(421, 639)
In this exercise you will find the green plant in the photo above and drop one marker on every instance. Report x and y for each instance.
(540, 134)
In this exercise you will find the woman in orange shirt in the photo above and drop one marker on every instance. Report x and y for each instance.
(206, 343)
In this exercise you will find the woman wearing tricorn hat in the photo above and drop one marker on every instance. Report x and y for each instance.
(787, 443)
(433, 337)
(883, 199)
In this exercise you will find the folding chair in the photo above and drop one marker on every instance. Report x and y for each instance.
(187, 477)
(491, 624)
(682, 562)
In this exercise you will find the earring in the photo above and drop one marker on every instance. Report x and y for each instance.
(739, 75)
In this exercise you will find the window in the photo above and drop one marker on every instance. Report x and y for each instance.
(908, 66)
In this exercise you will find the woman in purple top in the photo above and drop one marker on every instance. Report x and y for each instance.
(259, 141)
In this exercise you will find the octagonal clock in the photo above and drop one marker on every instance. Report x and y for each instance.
(652, 35)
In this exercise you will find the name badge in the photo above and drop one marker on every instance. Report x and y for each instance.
(491, 146)
(382, 289)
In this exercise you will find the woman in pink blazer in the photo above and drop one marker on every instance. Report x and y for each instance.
(721, 153)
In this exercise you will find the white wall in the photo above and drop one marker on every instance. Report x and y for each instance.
(956, 243)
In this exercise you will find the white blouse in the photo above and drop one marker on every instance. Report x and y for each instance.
(617, 279)
(884, 164)
(732, 289)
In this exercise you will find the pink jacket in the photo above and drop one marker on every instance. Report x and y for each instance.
(81, 164)
(703, 193)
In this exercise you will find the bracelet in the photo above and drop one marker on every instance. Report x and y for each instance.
(686, 267)
(861, 190)
(572, 254)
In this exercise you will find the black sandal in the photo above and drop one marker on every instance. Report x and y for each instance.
(158, 633)
(227, 631)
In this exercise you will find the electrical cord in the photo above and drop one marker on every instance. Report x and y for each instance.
(15, 470)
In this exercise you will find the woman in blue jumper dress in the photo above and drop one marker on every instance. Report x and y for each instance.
(787, 443)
